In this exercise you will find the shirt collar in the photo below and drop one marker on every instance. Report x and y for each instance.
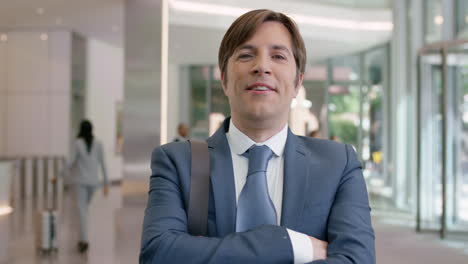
(240, 142)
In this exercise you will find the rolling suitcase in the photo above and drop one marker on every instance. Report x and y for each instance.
(47, 231)
(47, 224)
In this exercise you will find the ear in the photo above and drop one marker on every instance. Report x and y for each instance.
(298, 84)
(223, 82)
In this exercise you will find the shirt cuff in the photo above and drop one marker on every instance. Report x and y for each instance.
(302, 247)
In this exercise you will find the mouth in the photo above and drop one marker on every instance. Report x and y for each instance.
(260, 88)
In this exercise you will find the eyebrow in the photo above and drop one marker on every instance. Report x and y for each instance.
(274, 47)
(281, 47)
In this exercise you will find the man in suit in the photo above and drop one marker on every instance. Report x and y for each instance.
(274, 197)
(182, 133)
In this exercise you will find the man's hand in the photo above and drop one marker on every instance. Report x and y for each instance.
(320, 248)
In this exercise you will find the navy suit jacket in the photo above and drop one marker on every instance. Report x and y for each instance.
(324, 196)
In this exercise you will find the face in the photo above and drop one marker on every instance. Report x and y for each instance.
(183, 130)
(261, 75)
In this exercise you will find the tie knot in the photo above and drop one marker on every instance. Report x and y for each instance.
(258, 158)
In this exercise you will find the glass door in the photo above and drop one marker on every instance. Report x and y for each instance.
(443, 139)
(430, 145)
(458, 215)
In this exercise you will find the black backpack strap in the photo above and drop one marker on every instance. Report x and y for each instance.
(199, 189)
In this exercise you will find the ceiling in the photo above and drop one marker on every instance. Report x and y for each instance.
(328, 27)
(327, 30)
(99, 19)
(353, 3)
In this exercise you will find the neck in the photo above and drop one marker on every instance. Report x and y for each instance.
(257, 130)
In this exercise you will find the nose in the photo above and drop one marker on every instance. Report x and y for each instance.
(261, 65)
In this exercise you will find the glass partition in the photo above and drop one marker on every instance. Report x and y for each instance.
(433, 20)
(443, 137)
(375, 76)
(462, 16)
(200, 86)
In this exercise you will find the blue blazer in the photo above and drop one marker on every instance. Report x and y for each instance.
(324, 196)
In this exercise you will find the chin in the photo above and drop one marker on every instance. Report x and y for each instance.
(261, 115)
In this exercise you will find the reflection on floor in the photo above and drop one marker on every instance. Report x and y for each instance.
(115, 230)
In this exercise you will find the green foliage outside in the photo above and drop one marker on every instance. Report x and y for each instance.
(346, 131)
(343, 107)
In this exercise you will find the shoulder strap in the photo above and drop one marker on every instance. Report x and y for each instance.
(199, 188)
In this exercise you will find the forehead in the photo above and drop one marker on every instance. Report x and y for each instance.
(271, 33)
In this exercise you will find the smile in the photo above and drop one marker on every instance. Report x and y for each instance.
(260, 87)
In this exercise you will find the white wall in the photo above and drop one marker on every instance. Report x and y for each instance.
(34, 86)
(173, 105)
(105, 71)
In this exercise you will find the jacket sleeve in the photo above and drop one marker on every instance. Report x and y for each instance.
(71, 163)
(350, 233)
(165, 238)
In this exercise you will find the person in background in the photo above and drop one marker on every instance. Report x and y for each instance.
(87, 158)
(183, 132)
(335, 138)
(315, 134)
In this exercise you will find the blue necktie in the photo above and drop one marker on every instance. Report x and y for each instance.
(255, 207)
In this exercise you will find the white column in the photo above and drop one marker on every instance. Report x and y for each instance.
(142, 122)
(400, 101)
(103, 94)
(416, 41)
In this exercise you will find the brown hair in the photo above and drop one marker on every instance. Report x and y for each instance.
(245, 26)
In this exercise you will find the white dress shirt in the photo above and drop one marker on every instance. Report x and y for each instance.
(239, 143)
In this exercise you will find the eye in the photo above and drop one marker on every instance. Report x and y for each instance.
(278, 57)
(244, 56)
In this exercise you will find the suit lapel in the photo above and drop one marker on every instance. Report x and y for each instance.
(296, 163)
(222, 181)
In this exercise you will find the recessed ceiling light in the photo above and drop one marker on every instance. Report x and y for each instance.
(44, 36)
(4, 37)
(40, 11)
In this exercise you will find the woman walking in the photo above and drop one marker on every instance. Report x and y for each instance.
(86, 160)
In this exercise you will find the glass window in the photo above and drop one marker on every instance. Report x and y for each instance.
(345, 69)
(343, 107)
(344, 100)
(431, 131)
(461, 192)
(209, 104)
(433, 20)
(375, 68)
(315, 83)
(219, 102)
(462, 16)
(199, 80)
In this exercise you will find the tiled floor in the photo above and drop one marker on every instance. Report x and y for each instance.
(115, 230)
(114, 233)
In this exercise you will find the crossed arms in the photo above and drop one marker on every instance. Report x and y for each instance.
(166, 240)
